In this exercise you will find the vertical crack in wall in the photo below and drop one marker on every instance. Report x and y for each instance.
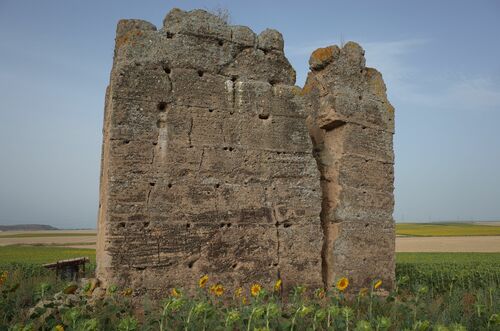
(190, 131)
(326, 247)
(278, 220)
(328, 161)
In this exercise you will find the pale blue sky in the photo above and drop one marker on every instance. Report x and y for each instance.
(440, 61)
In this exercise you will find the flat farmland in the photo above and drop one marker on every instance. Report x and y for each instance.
(448, 229)
(479, 244)
(411, 237)
(68, 238)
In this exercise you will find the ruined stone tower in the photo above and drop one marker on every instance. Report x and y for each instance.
(208, 166)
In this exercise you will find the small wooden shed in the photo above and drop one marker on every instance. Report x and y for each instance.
(70, 269)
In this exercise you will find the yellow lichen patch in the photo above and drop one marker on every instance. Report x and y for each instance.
(322, 54)
(390, 108)
(127, 37)
(297, 90)
(308, 86)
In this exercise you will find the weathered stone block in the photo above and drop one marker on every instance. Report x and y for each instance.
(197, 22)
(270, 39)
(255, 64)
(243, 35)
(360, 173)
(211, 91)
(297, 265)
(364, 252)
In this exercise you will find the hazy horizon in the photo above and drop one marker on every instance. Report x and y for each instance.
(439, 61)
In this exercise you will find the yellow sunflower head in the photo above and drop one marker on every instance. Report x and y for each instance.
(175, 293)
(342, 284)
(203, 281)
(218, 290)
(255, 290)
(377, 284)
(277, 285)
(59, 327)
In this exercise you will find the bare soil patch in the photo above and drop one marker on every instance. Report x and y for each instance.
(448, 244)
(403, 244)
(67, 238)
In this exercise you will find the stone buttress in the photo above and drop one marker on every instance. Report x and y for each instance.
(352, 125)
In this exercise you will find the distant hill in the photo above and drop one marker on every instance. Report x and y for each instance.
(27, 227)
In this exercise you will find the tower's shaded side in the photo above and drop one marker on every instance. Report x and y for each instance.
(352, 124)
(207, 164)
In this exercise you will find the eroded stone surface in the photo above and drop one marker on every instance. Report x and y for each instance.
(351, 124)
(207, 165)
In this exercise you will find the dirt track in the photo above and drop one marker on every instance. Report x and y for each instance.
(403, 244)
(448, 244)
(84, 236)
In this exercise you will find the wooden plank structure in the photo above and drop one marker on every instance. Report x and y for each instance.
(70, 269)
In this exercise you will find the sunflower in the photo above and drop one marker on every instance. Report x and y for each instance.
(277, 285)
(238, 292)
(59, 327)
(218, 290)
(175, 293)
(203, 281)
(377, 284)
(342, 284)
(255, 290)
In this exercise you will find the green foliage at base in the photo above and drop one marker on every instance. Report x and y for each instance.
(304, 309)
(41, 254)
(436, 291)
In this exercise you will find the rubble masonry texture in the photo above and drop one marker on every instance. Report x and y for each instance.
(213, 162)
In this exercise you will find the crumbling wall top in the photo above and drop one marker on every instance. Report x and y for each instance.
(200, 40)
(352, 92)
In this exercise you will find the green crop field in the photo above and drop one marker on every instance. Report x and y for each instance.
(44, 254)
(440, 271)
(440, 258)
(41, 254)
(446, 229)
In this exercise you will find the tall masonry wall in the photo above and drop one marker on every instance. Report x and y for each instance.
(208, 166)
